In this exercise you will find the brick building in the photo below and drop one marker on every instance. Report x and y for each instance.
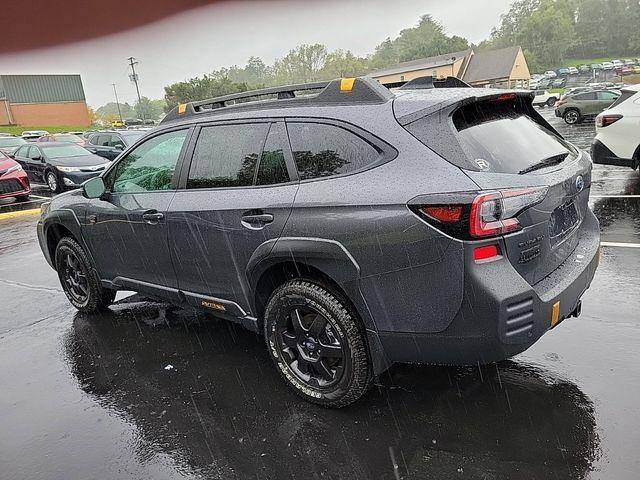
(43, 100)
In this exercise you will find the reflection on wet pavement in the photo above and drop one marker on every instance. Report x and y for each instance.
(204, 392)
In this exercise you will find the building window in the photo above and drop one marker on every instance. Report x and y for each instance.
(402, 78)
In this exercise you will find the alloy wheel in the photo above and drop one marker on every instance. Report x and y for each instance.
(74, 277)
(312, 347)
(571, 117)
(52, 181)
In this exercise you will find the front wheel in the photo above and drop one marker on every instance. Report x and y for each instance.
(79, 281)
(316, 344)
(571, 117)
(52, 182)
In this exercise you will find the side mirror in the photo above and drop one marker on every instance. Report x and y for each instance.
(94, 188)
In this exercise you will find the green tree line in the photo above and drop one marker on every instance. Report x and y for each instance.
(549, 31)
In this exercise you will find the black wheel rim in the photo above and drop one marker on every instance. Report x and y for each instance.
(74, 277)
(312, 348)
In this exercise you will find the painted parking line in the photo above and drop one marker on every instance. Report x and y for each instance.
(38, 196)
(620, 244)
(614, 196)
(19, 213)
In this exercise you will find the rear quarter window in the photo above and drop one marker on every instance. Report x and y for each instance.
(323, 150)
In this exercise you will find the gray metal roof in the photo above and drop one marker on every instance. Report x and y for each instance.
(491, 64)
(421, 64)
(41, 88)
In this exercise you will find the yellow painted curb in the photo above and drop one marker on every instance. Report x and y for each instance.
(20, 213)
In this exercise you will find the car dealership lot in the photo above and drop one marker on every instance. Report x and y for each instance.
(152, 391)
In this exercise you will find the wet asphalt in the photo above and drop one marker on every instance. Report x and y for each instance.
(148, 390)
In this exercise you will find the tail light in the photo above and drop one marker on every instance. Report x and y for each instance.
(606, 120)
(484, 215)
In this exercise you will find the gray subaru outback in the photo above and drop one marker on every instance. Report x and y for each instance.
(353, 225)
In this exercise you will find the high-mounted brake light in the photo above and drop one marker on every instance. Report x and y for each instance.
(506, 96)
(603, 120)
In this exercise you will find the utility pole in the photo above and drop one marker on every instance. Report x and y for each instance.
(117, 102)
(134, 79)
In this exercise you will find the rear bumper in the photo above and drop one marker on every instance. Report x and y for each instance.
(602, 155)
(501, 314)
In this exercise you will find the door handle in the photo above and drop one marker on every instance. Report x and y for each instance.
(152, 217)
(258, 219)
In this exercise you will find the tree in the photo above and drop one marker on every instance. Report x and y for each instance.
(340, 64)
(301, 64)
(427, 39)
(149, 109)
(200, 88)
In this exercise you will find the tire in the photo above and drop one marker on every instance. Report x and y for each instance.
(572, 116)
(53, 182)
(551, 101)
(78, 279)
(324, 360)
(22, 198)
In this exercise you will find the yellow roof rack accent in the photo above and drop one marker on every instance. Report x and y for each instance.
(346, 84)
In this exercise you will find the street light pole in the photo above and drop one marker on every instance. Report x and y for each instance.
(115, 92)
(134, 78)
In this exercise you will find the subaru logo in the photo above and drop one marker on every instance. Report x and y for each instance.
(579, 183)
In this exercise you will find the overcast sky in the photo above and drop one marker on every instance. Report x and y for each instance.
(201, 40)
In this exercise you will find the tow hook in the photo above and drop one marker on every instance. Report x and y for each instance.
(577, 311)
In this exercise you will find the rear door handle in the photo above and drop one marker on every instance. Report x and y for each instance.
(152, 217)
(258, 219)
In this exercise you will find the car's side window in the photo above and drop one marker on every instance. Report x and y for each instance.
(115, 140)
(273, 167)
(322, 150)
(607, 96)
(586, 96)
(22, 151)
(226, 155)
(150, 166)
(34, 152)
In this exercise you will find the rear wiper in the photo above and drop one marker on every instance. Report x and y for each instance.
(554, 160)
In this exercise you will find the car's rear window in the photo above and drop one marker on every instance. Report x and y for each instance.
(499, 138)
(626, 95)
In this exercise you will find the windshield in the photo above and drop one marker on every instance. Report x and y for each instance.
(65, 151)
(11, 142)
(499, 139)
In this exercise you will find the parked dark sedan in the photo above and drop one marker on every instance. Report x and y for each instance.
(109, 144)
(59, 165)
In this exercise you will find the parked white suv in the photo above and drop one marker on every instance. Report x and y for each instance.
(617, 139)
(543, 97)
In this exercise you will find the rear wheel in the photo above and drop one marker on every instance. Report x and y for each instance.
(79, 281)
(571, 116)
(551, 102)
(316, 343)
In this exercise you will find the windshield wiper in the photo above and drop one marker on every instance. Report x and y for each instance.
(554, 160)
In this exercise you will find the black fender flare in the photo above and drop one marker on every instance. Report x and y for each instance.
(68, 219)
(332, 259)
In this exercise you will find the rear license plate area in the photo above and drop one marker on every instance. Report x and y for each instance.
(564, 219)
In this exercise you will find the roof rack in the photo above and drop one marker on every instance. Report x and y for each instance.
(429, 82)
(345, 91)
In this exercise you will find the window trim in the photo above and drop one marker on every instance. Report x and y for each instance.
(387, 152)
(176, 173)
(288, 156)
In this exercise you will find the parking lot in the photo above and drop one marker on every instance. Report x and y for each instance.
(148, 390)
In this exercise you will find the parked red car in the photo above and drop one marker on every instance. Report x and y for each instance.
(13, 179)
(63, 137)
